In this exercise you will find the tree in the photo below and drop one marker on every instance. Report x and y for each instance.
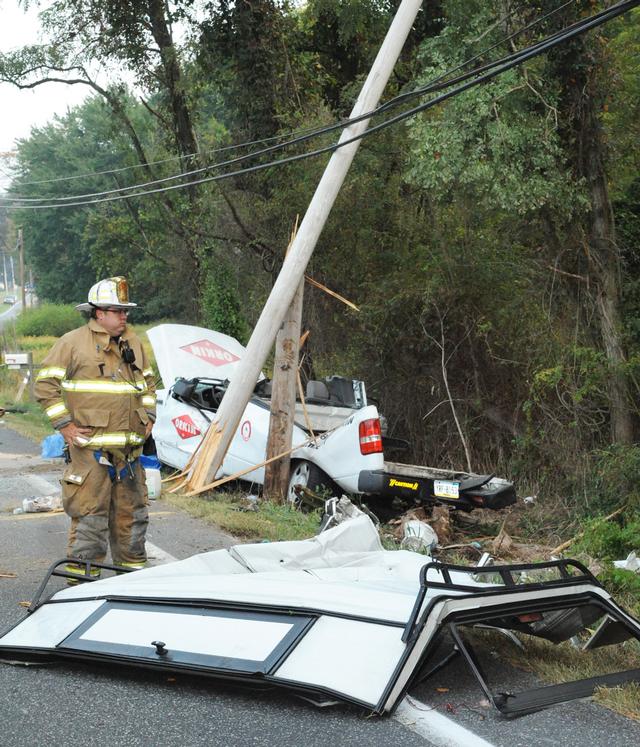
(135, 35)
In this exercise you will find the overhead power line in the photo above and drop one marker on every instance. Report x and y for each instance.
(171, 159)
(488, 72)
(312, 131)
(439, 83)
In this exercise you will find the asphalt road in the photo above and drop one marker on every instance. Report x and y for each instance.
(80, 704)
(9, 313)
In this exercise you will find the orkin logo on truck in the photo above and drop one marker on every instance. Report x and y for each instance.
(210, 352)
(185, 426)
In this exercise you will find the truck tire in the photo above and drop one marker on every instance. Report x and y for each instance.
(309, 476)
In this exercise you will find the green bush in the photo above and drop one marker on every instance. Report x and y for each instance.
(49, 319)
(613, 479)
(623, 585)
(610, 540)
(220, 304)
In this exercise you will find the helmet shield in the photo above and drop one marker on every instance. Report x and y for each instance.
(122, 290)
(110, 292)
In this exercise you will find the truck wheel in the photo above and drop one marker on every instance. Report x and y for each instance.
(307, 475)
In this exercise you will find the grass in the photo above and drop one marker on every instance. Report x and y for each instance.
(32, 424)
(557, 663)
(267, 521)
(623, 699)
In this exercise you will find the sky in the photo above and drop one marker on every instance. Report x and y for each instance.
(22, 110)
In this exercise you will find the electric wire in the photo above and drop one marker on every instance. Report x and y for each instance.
(435, 85)
(303, 131)
(481, 54)
(120, 169)
(506, 63)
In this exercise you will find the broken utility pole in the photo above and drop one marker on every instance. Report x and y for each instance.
(283, 400)
(220, 433)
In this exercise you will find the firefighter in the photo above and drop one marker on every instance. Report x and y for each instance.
(97, 388)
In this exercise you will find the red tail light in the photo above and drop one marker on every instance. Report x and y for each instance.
(370, 436)
(530, 617)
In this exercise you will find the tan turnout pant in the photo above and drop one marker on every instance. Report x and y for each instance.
(104, 511)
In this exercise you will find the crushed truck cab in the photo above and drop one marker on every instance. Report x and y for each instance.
(334, 435)
(338, 437)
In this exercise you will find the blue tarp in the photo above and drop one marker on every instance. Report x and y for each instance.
(149, 462)
(52, 446)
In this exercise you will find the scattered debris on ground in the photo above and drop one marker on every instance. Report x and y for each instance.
(40, 504)
(630, 563)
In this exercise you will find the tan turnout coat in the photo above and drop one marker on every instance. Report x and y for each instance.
(84, 380)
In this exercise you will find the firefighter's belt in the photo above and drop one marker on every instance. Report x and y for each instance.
(111, 469)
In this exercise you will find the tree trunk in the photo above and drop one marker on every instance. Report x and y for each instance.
(183, 127)
(185, 138)
(605, 262)
(581, 70)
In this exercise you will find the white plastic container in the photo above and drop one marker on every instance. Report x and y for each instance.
(154, 482)
(419, 537)
(42, 503)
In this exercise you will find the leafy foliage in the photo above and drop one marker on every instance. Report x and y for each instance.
(48, 320)
(608, 540)
(465, 235)
(220, 304)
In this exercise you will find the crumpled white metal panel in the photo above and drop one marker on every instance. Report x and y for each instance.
(48, 626)
(348, 543)
(349, 656)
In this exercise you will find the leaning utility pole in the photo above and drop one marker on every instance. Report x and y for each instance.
(218, 437)
(22, 291)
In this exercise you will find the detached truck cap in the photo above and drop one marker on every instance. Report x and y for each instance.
(108, 293)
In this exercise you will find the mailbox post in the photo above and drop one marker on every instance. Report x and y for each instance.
(21, 362)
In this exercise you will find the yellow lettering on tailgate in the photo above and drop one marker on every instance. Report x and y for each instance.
(393, 483)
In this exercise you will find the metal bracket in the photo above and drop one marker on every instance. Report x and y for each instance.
(535, 699)
(506, 573)
(88, 566)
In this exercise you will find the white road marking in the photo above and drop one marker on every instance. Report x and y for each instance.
(158, 555)
(432, 725)
(41, 486)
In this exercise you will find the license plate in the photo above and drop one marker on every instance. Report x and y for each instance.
(446, 489)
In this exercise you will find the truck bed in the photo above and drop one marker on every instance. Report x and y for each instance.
(430, 485)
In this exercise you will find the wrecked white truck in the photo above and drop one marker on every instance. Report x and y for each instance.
(335, 618)
(195, 365)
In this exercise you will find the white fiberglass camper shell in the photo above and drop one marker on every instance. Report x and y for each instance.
(332, 618)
